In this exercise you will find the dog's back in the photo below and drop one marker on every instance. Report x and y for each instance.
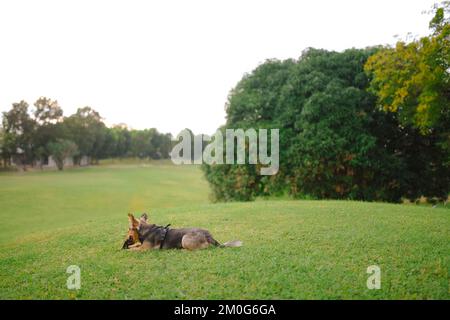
(188, 238)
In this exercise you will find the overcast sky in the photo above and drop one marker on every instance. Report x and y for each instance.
(170, 64)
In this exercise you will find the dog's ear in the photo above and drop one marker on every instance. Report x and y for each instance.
(143, 218)
(133, 221)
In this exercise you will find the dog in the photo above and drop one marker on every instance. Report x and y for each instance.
(145, 236)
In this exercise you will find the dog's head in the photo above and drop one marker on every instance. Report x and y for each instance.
(133, 230)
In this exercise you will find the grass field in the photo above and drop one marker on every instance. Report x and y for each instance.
(292, 249)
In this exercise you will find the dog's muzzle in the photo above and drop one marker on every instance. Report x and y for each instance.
(127, 243)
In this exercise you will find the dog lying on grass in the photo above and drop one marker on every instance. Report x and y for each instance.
(144, 236)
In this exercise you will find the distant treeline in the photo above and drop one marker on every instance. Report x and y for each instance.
(29, 135)
(370, 124)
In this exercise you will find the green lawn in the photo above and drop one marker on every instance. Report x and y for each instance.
(292, 249)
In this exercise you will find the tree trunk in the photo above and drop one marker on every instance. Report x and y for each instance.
(60, 165)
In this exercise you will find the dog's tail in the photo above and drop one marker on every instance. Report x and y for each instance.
(234, 244)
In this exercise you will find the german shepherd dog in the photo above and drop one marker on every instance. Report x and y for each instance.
(144, 236)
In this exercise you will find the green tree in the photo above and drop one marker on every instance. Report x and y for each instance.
(165, 145)
(47, 111)
(413, 79)
(8, 148)
(140, 143)
(2, 144)
(62, 149)
(123, 142)
(88, 131)
(19, 129)
(334, 142)
(48, 116)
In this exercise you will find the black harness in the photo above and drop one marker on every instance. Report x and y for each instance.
(162, 236)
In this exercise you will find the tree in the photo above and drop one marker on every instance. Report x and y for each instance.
(165, 145)
(123, 140)
(140, 143)
(62, 149)
(412, 80)
(48, 116)
(2, 143)
(87, 130)
(26, 134)
(334, 142)
(47, 111)
(8, 148)
(19, 130)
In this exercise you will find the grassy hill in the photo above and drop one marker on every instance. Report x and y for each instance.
(292, 249)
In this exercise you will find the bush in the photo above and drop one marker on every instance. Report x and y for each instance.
(334, 141)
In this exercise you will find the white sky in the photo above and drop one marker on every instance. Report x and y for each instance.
(170, 64)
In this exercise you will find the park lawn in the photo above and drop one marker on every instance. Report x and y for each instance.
(292, 249)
